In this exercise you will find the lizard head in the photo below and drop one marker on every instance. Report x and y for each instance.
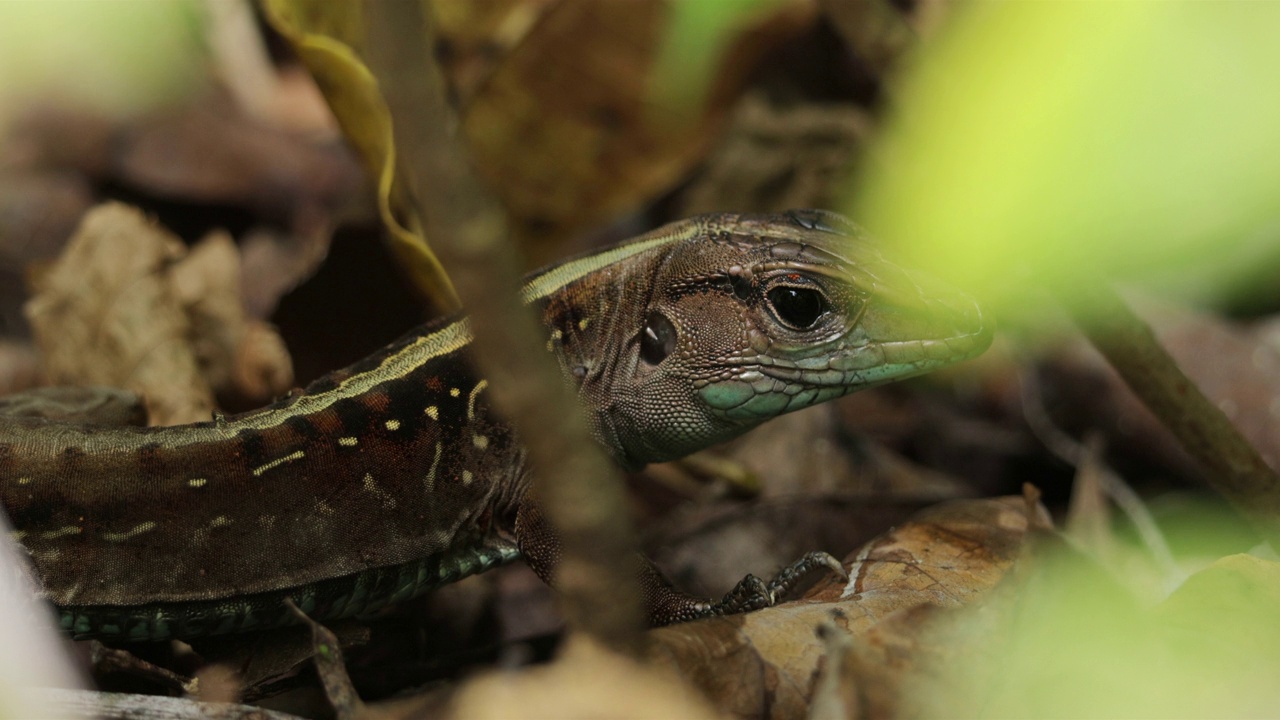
(736, 319)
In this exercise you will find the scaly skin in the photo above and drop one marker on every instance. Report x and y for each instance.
(393, 476)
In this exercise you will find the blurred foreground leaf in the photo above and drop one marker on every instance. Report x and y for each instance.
(1070, 641)
(114, 58)
(1042, 142)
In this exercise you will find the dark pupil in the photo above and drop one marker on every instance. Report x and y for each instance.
(798, 307)
(658, 338)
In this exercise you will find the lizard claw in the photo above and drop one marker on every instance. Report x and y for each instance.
(790, 576)
(752, 593)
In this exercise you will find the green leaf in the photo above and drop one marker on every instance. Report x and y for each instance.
(1043, 142)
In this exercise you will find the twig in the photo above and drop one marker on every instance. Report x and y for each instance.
(1229, 463)
(576, 485)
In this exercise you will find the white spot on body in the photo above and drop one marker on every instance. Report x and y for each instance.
(220, 521)
(348, 441)
(297, 455)
(454, 392)
(198, 482)
(393, 425)
(583, 323)
(435, 463)
(24, 481)
(138, 529)
(432, 412)
(467, 477)
(323, 507)
(60, 532)
(480, 441)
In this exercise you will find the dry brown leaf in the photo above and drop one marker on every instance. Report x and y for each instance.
(558, 103)
(331, 668)
(476, 36)
(878, 660)
(584, 682)
(206, 281)
(105, 314)
(218, 684)
(774, 157)
(266, 660)
(567, 128)
(234, 353)
(126, 306)
(763, 664)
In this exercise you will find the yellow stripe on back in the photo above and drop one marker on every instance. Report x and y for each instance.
(557, 277)
(444, 341)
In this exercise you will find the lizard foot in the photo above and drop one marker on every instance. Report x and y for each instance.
(752, 593)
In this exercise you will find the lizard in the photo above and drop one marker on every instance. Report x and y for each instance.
(393, 476)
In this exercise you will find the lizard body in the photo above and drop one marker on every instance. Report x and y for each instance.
(394, 476)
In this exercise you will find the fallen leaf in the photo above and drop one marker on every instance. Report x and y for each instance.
(91, 331)
(763, 664)
(126, 306)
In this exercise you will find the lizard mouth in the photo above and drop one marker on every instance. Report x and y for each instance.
(884, 347)
(876, 362)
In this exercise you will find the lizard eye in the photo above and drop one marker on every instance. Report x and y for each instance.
(799, 308)
(658, 338)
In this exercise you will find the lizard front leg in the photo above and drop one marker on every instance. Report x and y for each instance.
(663, 603)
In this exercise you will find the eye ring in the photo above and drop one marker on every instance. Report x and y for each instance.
(798, 307)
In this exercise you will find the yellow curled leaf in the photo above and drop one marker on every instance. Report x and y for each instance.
(328, 38)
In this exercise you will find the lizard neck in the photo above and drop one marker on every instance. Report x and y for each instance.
(593, 308)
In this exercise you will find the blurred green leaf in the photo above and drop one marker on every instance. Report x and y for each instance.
(116, 58)
(1041, 142)
(697, 36)
(1071, 641)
